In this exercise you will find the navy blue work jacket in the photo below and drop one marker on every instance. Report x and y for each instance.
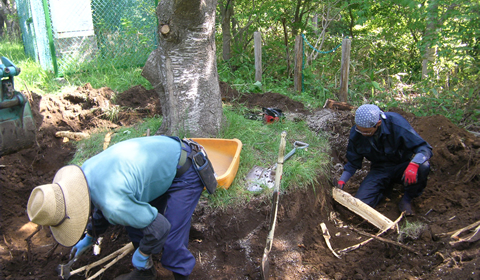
(393, 143)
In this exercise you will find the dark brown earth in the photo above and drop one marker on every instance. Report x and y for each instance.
(229, 244)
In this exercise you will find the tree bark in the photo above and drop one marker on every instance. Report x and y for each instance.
(432, 23)
(226, 13)
(12, 28)
(344, 70)
(183, 69)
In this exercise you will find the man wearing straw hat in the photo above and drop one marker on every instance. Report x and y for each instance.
(396, 152)
(147, 184)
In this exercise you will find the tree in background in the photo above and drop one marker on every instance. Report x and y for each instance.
(183, 69)
(8, 21)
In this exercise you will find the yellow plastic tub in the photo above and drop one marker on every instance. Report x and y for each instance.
(225, 157)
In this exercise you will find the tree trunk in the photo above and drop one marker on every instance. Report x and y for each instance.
(226, 13)
(8, 8)
(285, 41)
(429, 52)
(183, 69)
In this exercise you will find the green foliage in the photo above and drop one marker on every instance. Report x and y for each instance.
(35, 79)
(389, 43)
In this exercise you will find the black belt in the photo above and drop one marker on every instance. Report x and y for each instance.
(183, 162)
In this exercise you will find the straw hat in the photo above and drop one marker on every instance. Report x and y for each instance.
(63, 205)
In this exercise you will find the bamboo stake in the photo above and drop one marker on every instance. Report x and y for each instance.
(354, 247)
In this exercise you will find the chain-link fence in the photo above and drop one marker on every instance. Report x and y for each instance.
(68, 36)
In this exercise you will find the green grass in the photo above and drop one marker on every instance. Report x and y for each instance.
(89, 147)
(40, 81)
(260, 147)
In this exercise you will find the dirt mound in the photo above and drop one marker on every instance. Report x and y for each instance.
(260, 100)
(229, 244)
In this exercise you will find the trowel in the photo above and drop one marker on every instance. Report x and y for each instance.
(259, 177)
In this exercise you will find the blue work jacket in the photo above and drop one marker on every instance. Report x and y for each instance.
(393, 143)
(125, 177)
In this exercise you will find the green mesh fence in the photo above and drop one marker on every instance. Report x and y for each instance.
(68, 36)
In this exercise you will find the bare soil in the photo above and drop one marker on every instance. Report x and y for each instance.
(229, 244)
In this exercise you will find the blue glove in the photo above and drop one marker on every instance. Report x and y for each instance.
(82, 246)
(140, 261)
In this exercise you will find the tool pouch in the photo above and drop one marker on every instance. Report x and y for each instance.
(204, 168)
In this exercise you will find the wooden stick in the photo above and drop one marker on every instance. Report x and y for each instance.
(362, 209)
(125, 249)
(457, 232)
(354, 247)
(469, 227)
(470, 238)
(72, 135)
(332, 104)
(326, 236)
(386, 240)
(107, 139)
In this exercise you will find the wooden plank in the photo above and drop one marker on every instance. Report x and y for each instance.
(257, 41)
(362, 209)
(345, 66)
(332, 104)
(297, 71)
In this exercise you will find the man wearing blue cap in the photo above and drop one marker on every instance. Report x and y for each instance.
(396, 152)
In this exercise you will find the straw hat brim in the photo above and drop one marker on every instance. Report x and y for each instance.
(77, 200)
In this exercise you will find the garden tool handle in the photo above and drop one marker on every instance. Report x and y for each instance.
(296, 145)
(300, 145)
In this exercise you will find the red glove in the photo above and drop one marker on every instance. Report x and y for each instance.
(340, 184)
(410, 174)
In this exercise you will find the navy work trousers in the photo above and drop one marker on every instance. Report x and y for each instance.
(380, 180)
(177, 205)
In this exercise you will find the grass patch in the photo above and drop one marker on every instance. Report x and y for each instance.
(260, 147)
(40, 81)
(411, 230)
(89, 147)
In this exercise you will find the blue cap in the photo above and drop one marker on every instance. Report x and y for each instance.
(368, 115)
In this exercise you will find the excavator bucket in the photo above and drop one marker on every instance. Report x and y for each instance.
(17, 126)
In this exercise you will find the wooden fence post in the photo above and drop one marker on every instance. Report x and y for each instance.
(297, 71)
(257, 40)
(345, 64)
